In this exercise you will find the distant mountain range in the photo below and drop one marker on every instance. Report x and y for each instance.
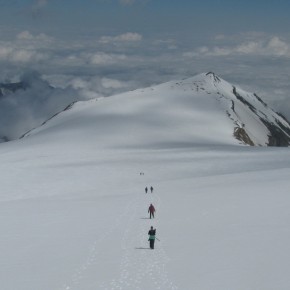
(201, 110)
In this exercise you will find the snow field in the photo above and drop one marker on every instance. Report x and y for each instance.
(222, 219)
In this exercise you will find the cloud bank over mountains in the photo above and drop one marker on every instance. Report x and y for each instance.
(111, 63)
(28, 107)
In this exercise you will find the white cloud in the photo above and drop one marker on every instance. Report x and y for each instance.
(275, 47)
(88, 88)
(5, 52)
(105, 59)
(114, 84)
(96, 87)
(272, 47)
(23, 55)
(250, 47)
(126, 37)
(169, 44)
(203, 50)
(20, 55)
(220, 37)
(278, 47)
(26, 35)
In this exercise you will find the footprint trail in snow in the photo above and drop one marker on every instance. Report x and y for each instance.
(140, 266)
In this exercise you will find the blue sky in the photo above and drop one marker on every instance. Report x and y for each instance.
(103, 47)
(147, 16)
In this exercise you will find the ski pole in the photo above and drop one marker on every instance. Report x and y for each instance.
(157, 239)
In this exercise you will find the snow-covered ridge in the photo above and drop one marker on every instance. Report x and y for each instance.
(203, 109)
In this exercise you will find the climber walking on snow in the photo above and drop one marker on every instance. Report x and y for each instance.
(146, 189)
(152, 233)
(151, 189)
(151, 210)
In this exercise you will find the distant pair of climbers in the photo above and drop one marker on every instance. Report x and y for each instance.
(146, 189)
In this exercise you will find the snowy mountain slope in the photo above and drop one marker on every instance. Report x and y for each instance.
(74, 215)
(74, 211)
(201, 110)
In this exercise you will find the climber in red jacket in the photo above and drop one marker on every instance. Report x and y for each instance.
(151, 210)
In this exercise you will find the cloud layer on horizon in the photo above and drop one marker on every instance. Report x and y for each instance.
(272, 47)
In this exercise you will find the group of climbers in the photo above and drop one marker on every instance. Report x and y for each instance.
(151, 189)
(151, 211)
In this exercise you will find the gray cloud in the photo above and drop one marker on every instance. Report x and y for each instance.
(26, 109)
(25, 49)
